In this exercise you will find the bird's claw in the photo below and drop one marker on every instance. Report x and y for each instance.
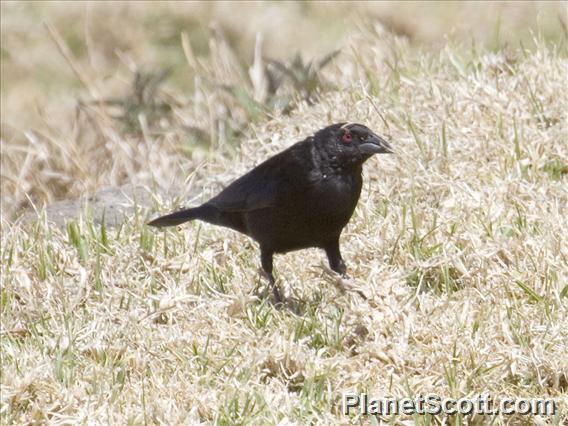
(344, 283)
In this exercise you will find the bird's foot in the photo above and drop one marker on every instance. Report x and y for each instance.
(277, 298)
(344, 283)
(348, 284)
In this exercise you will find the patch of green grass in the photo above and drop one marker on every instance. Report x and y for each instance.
(320, 332)
(444, 279)
(241, 409)
(556, 169)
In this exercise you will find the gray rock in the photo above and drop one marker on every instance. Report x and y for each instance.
(113, 205)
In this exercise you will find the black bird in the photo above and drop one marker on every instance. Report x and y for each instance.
(302, 197)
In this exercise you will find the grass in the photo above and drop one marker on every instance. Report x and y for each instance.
(458, 240)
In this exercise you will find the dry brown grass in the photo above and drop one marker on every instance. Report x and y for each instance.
(459, 240)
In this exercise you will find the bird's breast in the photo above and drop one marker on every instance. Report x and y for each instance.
(332, 200)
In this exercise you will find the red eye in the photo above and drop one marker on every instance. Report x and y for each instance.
(347, 137)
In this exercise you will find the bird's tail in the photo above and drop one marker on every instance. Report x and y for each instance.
(180, 216)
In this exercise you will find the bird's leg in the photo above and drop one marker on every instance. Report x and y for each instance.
(337, 264)
(334, 258)
(266, 261)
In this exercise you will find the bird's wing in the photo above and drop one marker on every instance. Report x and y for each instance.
(265, 184)
(252, 191)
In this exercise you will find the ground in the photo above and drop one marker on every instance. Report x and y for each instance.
(458, 239)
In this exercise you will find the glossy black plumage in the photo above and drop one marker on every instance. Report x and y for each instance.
(302, 197)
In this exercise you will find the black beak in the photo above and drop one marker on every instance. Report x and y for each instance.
(375, 145)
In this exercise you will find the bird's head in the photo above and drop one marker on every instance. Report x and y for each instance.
(351, 143)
